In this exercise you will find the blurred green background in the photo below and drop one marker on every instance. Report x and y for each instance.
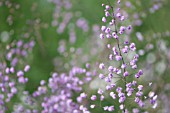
(34, 17)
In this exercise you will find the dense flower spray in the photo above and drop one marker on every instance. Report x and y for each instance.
(12, 75)
(122, 67)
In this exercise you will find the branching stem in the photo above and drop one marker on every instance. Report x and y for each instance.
(118, 44)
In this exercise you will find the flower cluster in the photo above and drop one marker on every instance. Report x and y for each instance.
(12, 74)
(58, 95)
(123, 65)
